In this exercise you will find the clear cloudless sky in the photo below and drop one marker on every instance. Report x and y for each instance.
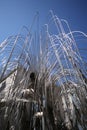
(16, 13)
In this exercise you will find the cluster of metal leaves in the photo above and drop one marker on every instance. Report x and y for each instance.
(55, 96)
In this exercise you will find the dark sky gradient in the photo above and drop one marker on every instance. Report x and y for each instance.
(16, 13)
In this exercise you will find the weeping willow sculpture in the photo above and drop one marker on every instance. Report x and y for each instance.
(43, 84)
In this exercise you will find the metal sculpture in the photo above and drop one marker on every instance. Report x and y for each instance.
(43, 80)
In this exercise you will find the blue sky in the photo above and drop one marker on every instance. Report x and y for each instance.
(16, 13)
